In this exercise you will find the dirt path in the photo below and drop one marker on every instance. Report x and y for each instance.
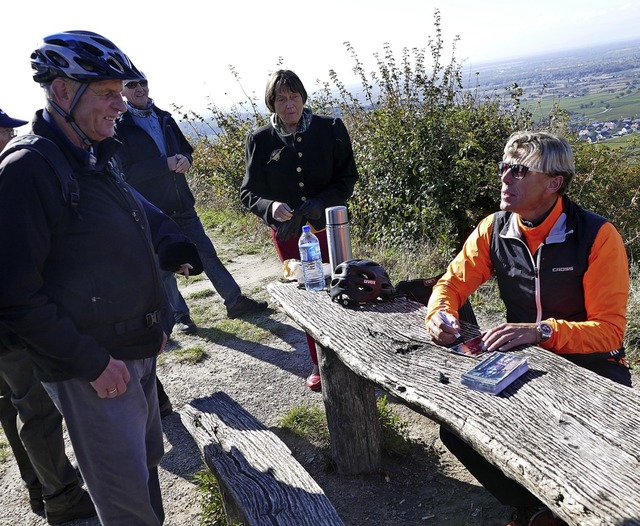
(429, 487)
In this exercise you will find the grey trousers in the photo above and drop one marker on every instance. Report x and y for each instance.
(33, 427)
(118, 445)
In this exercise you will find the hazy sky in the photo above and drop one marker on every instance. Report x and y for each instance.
(185, 48)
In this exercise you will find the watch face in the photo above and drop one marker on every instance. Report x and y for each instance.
(546, 331)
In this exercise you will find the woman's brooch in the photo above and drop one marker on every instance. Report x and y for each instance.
(275, 155)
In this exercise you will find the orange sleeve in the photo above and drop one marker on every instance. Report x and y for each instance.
(470, 269)
(606, 291)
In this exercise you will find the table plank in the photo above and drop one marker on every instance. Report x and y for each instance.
(568, 435)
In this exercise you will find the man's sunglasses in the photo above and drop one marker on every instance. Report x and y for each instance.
(134, 84)
(518, 171)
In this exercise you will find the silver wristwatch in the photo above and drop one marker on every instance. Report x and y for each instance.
(545, 331)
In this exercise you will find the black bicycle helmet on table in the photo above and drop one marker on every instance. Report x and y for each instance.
(358, 281)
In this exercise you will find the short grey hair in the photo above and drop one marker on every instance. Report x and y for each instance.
(48, 89)
(542, 152)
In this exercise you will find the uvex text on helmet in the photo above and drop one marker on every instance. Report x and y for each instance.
(83, 56)
(360, 281)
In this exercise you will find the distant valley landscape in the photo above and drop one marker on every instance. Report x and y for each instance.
(598, 87)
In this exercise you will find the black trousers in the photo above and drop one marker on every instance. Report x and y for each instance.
(162, 395)
(33, 427)
(507, 490)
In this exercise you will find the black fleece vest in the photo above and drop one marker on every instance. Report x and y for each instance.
(554, 274)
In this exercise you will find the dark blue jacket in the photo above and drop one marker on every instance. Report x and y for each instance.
(80, 285)
(146, 169)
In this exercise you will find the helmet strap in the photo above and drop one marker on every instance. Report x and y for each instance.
(68, 116)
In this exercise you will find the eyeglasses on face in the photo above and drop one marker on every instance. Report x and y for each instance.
(134, 84)
(9, 131)
(518, 171)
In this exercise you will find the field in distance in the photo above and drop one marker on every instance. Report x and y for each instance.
(594, 85)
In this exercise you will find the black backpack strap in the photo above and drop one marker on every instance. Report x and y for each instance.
(56, 159)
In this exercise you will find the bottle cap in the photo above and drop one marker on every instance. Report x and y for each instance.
(337, 215)
(306, 228)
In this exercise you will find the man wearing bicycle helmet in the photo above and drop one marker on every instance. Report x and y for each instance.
(90, 314)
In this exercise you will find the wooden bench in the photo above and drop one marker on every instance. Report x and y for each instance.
(569, 436)
(260, 481)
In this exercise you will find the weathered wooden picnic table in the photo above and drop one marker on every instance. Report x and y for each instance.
(568, 435)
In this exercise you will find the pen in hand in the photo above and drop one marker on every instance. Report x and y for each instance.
(447, 321)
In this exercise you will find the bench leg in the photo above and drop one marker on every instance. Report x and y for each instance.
(231, 509)
(352, 416)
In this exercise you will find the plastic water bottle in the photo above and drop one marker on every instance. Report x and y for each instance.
(311, 260)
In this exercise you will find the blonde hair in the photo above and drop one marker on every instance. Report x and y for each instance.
(542, 152)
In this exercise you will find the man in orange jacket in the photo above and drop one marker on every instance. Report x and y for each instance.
(563, 276)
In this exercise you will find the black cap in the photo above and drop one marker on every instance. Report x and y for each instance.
(8, 122)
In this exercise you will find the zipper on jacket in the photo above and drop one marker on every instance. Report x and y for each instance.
(535, 262)
(136, 218)
(130, 202)
(538, 295)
